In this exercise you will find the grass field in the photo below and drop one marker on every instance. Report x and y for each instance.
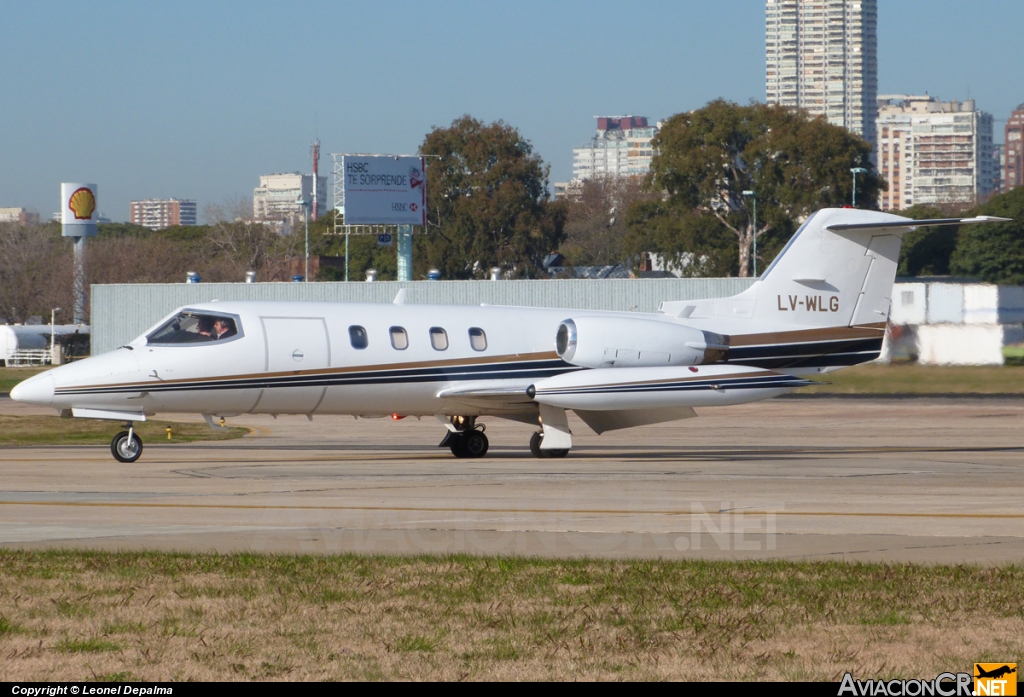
(877, 378)
(82, 615)
(9, 377)
(53, 430)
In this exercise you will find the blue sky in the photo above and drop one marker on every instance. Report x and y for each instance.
(197, 99)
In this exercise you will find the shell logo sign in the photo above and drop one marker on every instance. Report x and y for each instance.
(78, 209)
(82, 203)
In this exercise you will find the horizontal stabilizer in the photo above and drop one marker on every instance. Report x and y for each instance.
(911, 224)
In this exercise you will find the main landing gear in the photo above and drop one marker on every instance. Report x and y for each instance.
(468, 440)
(126, 446)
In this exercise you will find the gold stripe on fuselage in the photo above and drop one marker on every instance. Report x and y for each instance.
(477, 360)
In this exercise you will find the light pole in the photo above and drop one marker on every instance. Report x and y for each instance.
(856, 171)
(753, 195)
(53, 346)
(305, 214)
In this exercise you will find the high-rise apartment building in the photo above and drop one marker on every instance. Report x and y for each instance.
(278, 196)
(1013, 150)
(621, 147)
(158, 213)
(822, 56)
(19, 216)
(998, 166)
(933, 152)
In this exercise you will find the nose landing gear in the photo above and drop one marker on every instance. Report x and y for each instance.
(126, 446)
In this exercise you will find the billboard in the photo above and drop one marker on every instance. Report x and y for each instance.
(78, 209)
(385, 190)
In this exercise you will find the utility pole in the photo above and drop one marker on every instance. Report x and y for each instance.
(305, 214)
(753, 195)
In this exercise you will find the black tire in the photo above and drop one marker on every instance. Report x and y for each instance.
(457, 443)
(124, 450)
(556, 453)
(474, 444)
(535, 440)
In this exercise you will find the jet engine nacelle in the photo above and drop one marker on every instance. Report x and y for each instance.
(606, 342)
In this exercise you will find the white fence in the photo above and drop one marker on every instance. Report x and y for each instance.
(26, 357)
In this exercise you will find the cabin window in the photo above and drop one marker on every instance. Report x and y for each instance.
(195, 327)
(438, 338)
(357, 335)
(399, 338)
(477, 338)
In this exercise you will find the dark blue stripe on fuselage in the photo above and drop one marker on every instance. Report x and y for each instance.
(530, 370)
(808, 355)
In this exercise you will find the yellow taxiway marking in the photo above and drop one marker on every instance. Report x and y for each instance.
(459, 509)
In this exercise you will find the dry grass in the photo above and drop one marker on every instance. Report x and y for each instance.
(53, 430)
(877, 378)
(82, 615)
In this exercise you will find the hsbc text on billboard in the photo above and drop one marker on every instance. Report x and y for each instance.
(385, 190)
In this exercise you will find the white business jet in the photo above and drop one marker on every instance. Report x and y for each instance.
(821, 305)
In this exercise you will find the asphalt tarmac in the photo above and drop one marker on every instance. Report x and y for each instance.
(925, 480)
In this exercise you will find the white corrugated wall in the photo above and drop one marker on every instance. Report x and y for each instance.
(122, 312)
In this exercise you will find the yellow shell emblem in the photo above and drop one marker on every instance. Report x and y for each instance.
(82, 203)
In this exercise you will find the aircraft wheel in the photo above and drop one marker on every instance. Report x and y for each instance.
(125, 449)
(535, 440)
(457, 443)
(474, 444)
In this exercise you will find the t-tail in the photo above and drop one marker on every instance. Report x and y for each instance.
(827, 292)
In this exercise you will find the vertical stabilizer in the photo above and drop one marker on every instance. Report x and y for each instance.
(833, 275)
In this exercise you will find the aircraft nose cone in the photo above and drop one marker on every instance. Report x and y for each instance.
(35, 390)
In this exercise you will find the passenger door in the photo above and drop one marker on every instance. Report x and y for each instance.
(295, 346)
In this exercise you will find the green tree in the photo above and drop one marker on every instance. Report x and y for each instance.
(691, 243)
(993, 252)
(795, 164)
(927, 250)
(596, 220)
(487, 202)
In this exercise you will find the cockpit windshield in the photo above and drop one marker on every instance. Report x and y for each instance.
(195, 327)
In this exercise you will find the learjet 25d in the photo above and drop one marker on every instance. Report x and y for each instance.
(821, 305)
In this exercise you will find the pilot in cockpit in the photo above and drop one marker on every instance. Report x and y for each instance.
(223, 328)
(189, 327)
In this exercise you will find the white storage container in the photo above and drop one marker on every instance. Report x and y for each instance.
(945, 303)
(965, 344)
(991, 304)
(908, 303)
